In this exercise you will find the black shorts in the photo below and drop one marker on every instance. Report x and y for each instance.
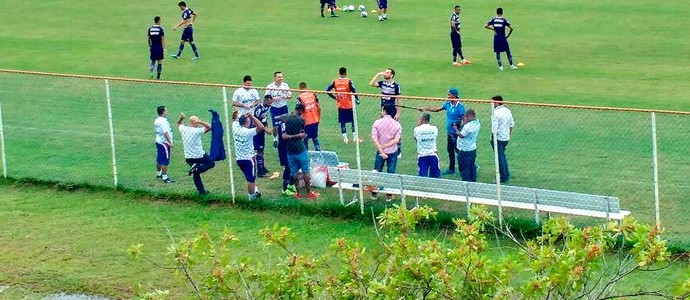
(188, 34)
(327, 1)
(501, 45)
(455, 40)
(345, 116)
(156, 54)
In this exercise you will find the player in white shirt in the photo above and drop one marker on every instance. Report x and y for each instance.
(244, 128)
(502, 124)
(467, 146)
(280, 91)
(164, 140)
(246, 97)
(427, 155)
(194, 154)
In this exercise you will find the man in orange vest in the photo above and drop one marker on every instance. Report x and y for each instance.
(311, 115)
(344, 103)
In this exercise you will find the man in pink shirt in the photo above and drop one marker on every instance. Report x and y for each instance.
(386, 133)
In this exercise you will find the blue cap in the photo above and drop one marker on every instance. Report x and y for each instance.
(454, 92)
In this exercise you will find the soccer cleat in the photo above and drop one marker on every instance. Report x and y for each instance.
(385, 16)
(159, 176)
(457, 64)
(275, 144)
(151, 76)
(313, 195)
(346, 140)
(168, 180)
(174, 56)
(466, 62)
(292, 188)
(263, 174)
(448, 172)
(297, 196)
(192, 169)
(512, 67)
(380, 18)
(500, 68)
(334, 16)
(196, 58)
(288, 193)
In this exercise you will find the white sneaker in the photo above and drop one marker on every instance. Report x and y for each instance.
(399, 155)
(500, 68)
(380, 18)
(345, 140)
(513, 67)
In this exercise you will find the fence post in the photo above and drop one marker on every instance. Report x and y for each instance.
(227, 141)
(494, 130)
(112, 131)
(402, 192)
(655, 162)
(359, 157)
(2, 144)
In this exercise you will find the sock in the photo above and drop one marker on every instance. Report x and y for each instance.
(306, 144)
(260, 163)
(322, 5)
(151, 65)
(179, 51)
(455, 55)
(498, 59)
(352, 125)
(196, 53)
(510, 57)
(160, 70)
(343, 128)
(462, 57)
(159, 173)
(385, 15)
(317, 145)
(286, 178)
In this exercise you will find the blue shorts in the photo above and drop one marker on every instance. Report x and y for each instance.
(383, 4)
(156, 54)
(278, 111)
(312, 131)
(163, 154)
(298, 162)
(259, 141)
(428, 166)
(345, 116)
(501, 45)
(455, 40)
(248, 167)
(188, 34)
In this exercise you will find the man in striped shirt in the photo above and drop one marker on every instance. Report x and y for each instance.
(188, 19)
(246, 97)
(280, 91)
(386, 133)
(164, 140)
(244, 129)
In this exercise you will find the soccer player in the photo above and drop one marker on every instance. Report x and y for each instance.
(261, 113)
(455, 40)
(386, 133)
(198, 161)
(293, 133)
(502, 125)
(454, 113)
(280, 91)
(244, 129)
(289, 188)
(311, 115)
(164, 140)
(331, 7)
(498, 25)
(188, 18)
(156, 39)
(389, 92)
(383, 9)
(344, 103)
(246, 97)
(427, 155)
(467, 146)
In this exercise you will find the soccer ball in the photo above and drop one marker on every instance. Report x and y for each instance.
(344, 8)
(351, 8)
(364, 14)
(362, 8)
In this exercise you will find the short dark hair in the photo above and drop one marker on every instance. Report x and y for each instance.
(182, 3)
(276, 73)
(242, 119)
(156, 19)
(342, 71)
(302, 85)
(390, 109)
(426, 116)
(457, 6)
(470, 112)
(392, 71)
(497, 98)
(246, 78)
(268, 96)
(299, 106)
(160, 109)
(499, 11)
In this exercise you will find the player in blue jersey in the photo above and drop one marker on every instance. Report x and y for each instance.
(383, 9)
(498, 25)
(261, 113)
(455, 40)
(331, 7)
(156, 38)
(188, 18)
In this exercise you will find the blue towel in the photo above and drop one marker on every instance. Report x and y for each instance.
(217, 146)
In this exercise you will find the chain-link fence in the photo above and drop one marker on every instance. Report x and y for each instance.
(57, 128)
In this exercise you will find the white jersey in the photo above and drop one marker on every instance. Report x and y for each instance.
(244, 141)
(191, 141)
(279, 93)
(161, 127)
(426, 135)
(501, 123)
(245, 96)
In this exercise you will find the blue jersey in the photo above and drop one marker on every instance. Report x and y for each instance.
(499, 24)
(388, 91)
(261, 113)
(454, 114)
(187, 14)
(156, 34)
(455, 19)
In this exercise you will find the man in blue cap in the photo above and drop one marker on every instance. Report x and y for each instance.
(454, 113)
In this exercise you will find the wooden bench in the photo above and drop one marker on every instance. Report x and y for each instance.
(537, 200)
